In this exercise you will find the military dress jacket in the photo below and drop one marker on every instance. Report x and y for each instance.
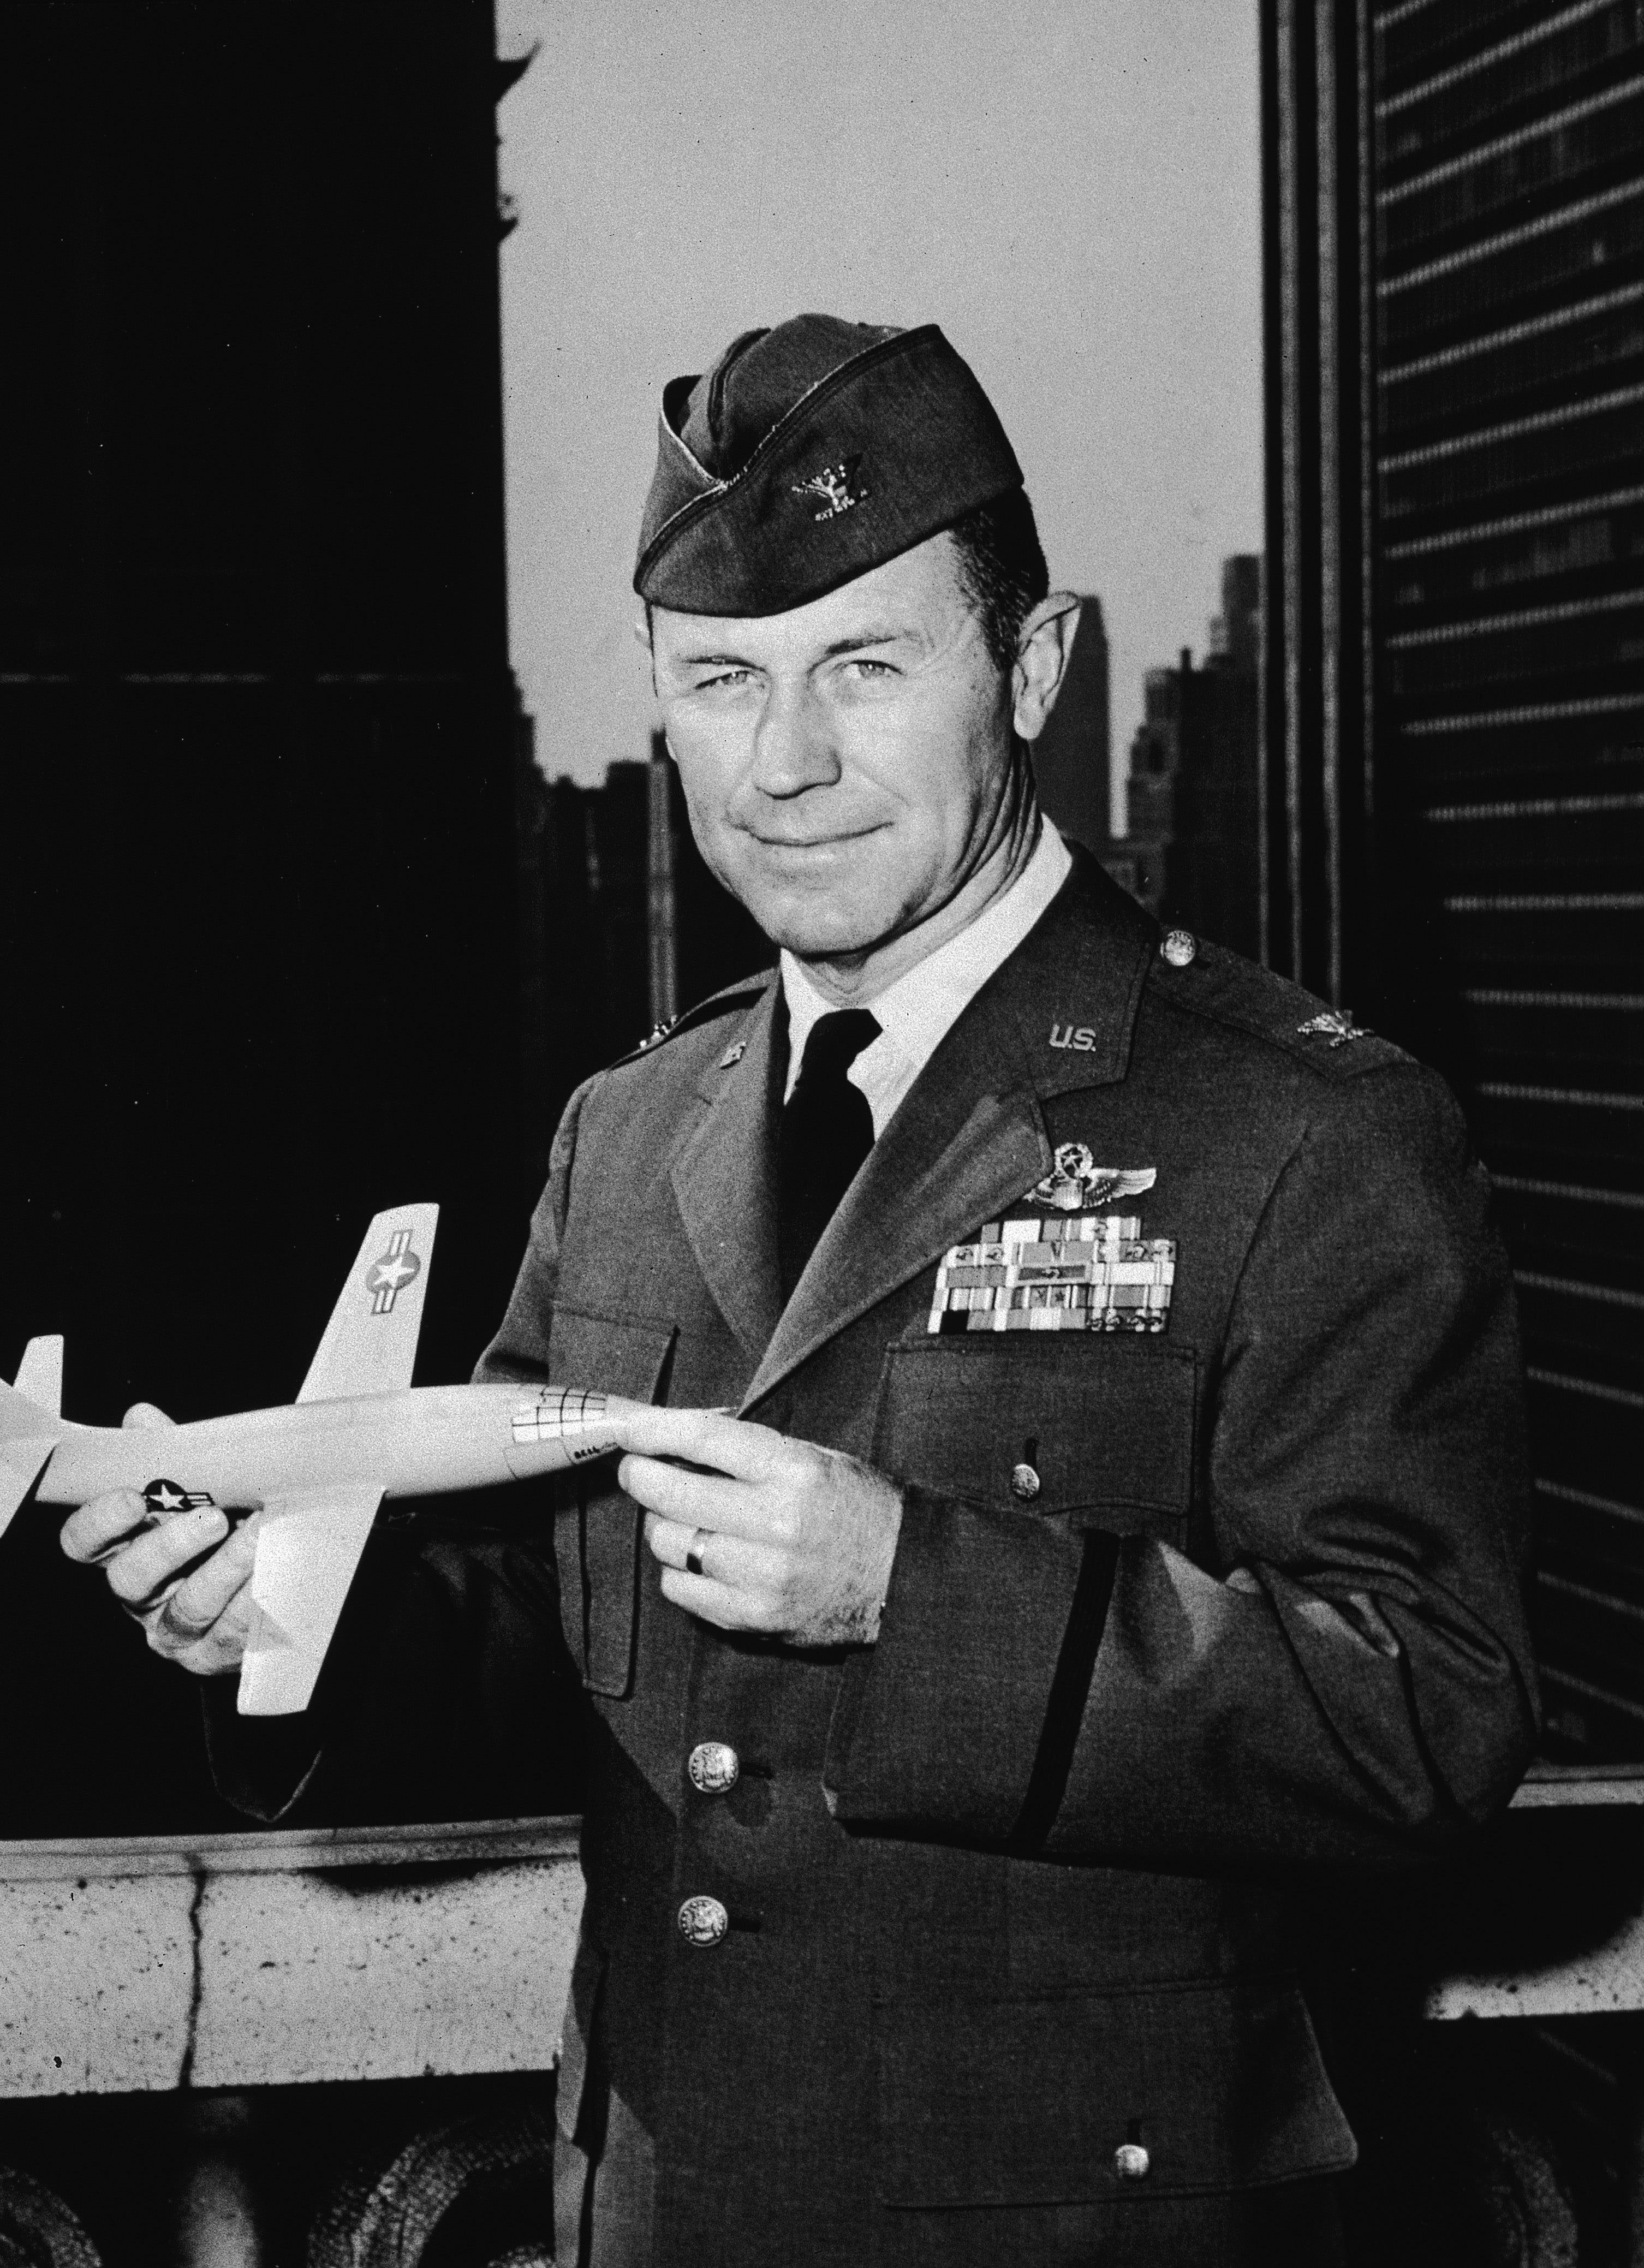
(1196, 1588)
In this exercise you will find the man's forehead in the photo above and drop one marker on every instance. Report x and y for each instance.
(915, 596)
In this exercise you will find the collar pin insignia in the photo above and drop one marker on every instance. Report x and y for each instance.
(734, 1054)
(1076, 1182)
(1336, 1024)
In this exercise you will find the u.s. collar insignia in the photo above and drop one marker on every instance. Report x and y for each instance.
(1076, 1184)
(1336, 1024)
(841, 488)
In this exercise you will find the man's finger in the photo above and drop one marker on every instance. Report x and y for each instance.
(101, 1526)
(196, 1603)
(689, 1499)
(734, 1561)
(715, 1602)
(220, 1649)
(160, 1553)
(733, 1446)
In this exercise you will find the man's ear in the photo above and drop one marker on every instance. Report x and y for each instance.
(644, 636)
(1042, 657)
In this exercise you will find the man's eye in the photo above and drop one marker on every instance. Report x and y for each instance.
(866, 667)
(728, 678)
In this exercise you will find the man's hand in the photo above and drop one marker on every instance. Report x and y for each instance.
(794, 1539)
(201, 1621)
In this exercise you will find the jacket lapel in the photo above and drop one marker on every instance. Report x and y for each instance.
(970, 1138)
(723, 1182)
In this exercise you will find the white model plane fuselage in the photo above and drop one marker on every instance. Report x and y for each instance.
(315, 1472)
(426, 1440)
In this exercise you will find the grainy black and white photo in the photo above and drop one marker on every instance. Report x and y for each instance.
(822, 1219)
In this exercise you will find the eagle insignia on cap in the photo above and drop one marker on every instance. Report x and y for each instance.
(1077, 1181)
(841, 487)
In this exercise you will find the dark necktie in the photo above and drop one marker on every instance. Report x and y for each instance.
(827, 1130)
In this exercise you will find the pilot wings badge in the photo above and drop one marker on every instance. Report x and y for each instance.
(1076, 1184)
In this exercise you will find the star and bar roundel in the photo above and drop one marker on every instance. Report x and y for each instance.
(394, 1273)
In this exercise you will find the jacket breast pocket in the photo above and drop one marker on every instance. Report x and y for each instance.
(597, 1530)
(1103, 1426)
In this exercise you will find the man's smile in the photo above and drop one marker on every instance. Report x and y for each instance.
(833, 841)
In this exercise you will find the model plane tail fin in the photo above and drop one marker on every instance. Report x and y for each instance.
(40, 1374)
(369, 1343)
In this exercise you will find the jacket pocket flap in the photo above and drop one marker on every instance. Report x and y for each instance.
(1107, 1427)
(1031, 2102)
(609, 1353)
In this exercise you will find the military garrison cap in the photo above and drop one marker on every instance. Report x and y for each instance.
(807, 455)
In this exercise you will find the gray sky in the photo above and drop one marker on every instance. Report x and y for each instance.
(1070, 187)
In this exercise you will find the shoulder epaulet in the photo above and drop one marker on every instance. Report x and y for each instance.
(723, 1003)
(1223, 986)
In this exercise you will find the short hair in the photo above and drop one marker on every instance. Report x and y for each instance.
(1001, 570)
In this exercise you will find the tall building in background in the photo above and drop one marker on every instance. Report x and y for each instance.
(1194, 792)
(1071, 755)
(1072, 761)
(1454, 682)
(257, 859)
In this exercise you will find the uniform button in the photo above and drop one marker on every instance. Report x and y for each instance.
(1130, 2161)
(1024, 1483)
(1180, 947)
(703, 1921)
(714, 1767)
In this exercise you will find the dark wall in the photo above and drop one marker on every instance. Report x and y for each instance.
(256, 868)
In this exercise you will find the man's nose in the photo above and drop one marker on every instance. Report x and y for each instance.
(793, 746)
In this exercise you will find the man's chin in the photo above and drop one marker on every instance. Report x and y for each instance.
(798, 930)
(810, 914)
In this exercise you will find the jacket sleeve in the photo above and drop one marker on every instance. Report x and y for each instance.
(1350, 1677)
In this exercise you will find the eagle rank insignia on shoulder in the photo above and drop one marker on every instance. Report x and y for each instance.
(1069, 1269)
(1076, 1181)
(1336, 1024)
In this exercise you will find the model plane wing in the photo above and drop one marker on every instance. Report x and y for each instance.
(369, 1343)
(29, 1433)
(21, 1465)
(308, 1546)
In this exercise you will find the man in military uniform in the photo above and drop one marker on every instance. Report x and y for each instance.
(1120, 1514)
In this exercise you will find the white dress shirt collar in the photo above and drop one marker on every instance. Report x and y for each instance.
(920, 1007)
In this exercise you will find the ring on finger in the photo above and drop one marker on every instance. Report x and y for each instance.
(694, 1551)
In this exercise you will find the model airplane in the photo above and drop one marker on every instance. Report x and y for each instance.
(317, 1471)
